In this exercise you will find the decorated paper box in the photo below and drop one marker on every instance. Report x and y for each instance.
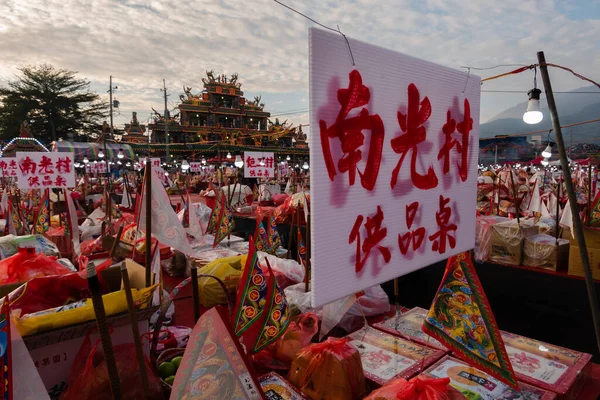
(214, 366)
(408, 326)
(550, 367)
(475, 384)
(385, 357)
(278, 388)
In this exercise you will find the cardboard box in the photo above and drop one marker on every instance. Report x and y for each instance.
(546, 366)
(385, 357)
(53, 351)
(507, 241)
(576, 266)
(591, 235)
(408, 326)
(543, 251)
(476, 384)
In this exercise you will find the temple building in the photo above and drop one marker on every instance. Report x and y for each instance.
(134, 131)
(219, 113)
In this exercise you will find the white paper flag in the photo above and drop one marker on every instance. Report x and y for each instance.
(566, 221)
(166, 227)
(74, 226)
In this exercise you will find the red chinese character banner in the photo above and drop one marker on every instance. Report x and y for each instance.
(393, 164)
(40, 170)
(259, 165)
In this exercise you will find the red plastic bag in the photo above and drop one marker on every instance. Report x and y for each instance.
(48, 292)
(418, 388)
(27, 264)
(89, 375)
(282, 352)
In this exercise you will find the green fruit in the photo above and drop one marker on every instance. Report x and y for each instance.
(166, 369)
(176, 361)
(169, 380)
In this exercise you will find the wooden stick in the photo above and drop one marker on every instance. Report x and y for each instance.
(589, 207)
(148, 176)
(107, 348)
(115, 245)
(135, 329)
(289, 246)
(307, 240)
(195, 293)
(512, 184)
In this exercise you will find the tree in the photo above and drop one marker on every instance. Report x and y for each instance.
(55, 102)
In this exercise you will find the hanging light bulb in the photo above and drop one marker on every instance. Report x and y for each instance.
(228, 155)
(85, 160)
(305, 165)
(545, 162)
(262, 162)
(185, 165)
(120, 154)
(119, 163)
(288, 158)
(166, 173)
(203, 161)
(547, 153)
(238, 161)
(101, 154)
(533, 115)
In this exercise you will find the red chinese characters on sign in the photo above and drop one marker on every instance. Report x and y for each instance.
(349, 132)
(462, 147)
(46, 166)
(27, 166)
(250, 162)
(413, 133)
(375, 234)
(443, 236)
(34, 181)
(415, 236)
(63, 165)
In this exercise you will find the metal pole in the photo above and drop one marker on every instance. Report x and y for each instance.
(577, 225)
(166, 122)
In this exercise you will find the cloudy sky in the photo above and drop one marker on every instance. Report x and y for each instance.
(140, 42)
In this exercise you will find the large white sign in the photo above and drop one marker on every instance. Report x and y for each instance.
(258, 164)
(39, 170)
(154, 161)
(393, 164)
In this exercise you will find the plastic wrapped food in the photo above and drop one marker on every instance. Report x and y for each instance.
(89, 375)
(27, 264)
(331, 370)
(229, 271)
(418, 388)
(81, 311)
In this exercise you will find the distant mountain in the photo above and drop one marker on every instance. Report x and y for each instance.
(572, 108)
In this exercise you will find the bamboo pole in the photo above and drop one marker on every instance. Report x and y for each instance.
(577, 225)
(135, 329)
(107, 348)
(148, 178)
(589, 205)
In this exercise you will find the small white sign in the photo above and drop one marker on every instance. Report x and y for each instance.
(40, 170)
(154, 161)
(258, 164)
(195, 166)
(8, 167)
(96, 167)
(394, 147)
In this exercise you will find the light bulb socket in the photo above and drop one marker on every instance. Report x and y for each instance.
(534, 94)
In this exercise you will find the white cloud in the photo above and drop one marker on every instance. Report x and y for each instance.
(141, 42)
